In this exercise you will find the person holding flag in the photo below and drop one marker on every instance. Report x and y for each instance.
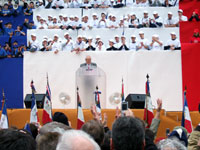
(148, 108)
(47, 110)
(34, 113)
(186, 119)
(80, 119)
(4, 116)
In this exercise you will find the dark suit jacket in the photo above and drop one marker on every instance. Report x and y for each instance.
(92, 64)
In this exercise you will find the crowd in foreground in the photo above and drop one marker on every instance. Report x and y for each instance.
(128, 133)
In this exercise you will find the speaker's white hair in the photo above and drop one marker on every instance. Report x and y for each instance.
(66, 140)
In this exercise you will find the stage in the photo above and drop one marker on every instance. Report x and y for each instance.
(18, 117)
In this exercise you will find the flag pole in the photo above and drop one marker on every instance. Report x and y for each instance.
(147, 99)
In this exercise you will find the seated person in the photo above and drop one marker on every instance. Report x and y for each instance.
(67, 43)
(8, 29)
(167, 4)
(86, 4)
(117, 42)
(173, 43)
(79, 46)
(157, 21)
(28, 9)
(111, 45)
(90, 46)
(156, 44)
(55, 44)
(6, 12)
(196, 37)
(143, 42)
(195, 16)
(100, 46)
(145, 20)
(133, 21)
(154, 3)
(58, 4)
(19, 31)
(124, 45)
(133, 45)
(170, 21)
(33, 44)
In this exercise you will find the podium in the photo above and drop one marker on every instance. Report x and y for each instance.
(87, 78)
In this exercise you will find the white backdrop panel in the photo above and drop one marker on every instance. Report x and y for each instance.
(164, 68)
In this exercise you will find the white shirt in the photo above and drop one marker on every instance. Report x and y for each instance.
(133, 46)
(67, 46)
(35, 45)
(56, 46)
(59, 3)
(156, 46)
(145, 20)
(42, 25)
(175, 42)
(183, 18)
(94, 23)
(145, 42)
(102, 48)
(85, 25)
(117, 45)
(158, 20)
(96, 2)
(170, 22)
(81, 45)
(102, 24)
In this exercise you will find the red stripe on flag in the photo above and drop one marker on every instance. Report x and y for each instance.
(188, 126)
(45, 117)
(79, 123)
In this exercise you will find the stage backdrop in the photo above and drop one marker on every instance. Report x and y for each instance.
(163, 67)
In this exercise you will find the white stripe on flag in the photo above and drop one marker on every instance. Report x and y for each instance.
(4, 121)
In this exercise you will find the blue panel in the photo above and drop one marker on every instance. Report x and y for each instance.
(11, 80)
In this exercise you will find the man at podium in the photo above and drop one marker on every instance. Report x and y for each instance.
(89, 65)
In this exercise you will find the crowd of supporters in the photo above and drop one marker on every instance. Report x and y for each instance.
(128, 133)
(109, 21)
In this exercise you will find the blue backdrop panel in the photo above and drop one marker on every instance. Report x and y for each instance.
(11, 80)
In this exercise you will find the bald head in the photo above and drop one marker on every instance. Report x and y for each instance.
(88, 59)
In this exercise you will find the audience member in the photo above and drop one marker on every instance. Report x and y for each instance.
(133, 45)
(128, 133)
(195, 16)
(196, 37)
(143, 42)
(157, 21)
(170, 21)
(111, 45)
(156, 44)
(173, 43)
(194, 139)
(11, 139)
(76, 140)
(124, 45)
(33, 44)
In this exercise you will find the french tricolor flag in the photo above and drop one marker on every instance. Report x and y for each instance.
(80, 119)
(34, 113)
(186, 119)
(97, 101)
(148, 107)
(47, 110)
(4, 118)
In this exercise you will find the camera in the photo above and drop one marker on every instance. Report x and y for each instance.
(124, 108)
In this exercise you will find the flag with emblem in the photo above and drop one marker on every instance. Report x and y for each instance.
(97, 101)
(186, 119)
(148, 108)
(34, 113)
(47, 110)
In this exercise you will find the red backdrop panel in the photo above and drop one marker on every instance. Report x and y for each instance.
(187, 29)
(191, 73)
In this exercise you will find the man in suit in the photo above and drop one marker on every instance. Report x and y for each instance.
(88, 63)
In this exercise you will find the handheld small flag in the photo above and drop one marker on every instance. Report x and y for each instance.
(47, 110)
(34, 113)
(186, 119)
(97, 101)
(148, 108)
(4, 116)
(80, 118)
